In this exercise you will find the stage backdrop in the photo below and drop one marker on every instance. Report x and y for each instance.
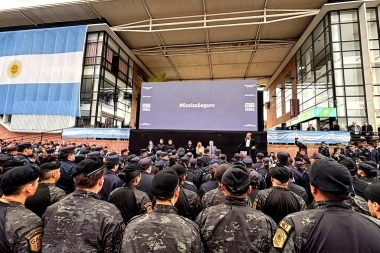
(226, 141)
(205, 105)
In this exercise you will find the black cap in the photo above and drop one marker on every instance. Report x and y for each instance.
(88, 167)
(180, 169)
(281, 174)
(266, 159)
(11, 148)
(367, 169)
(94, 154)
(164, 154)
(67, 150)
(50, 150)
(372, 192)
(361, 157)
(217, 151)
(24, 145)
(330, 176)
(247, 160)
(49, 166)
(164, 183)
(261, 155)
(185, 159)
(160, 164)
(84, 151)
(236, 178)
(206, 150)
(135, 159)
(17, 177)
(145, 163)
(130, 172)
(99, 148)
(113, 160)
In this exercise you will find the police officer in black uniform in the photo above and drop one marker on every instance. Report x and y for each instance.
(324, 149)
(25, 151)
(332, 226)
(20, 228)
(67, 162)
(47, 193)
(111, 180)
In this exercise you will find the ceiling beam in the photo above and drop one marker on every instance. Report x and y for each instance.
(206, 21)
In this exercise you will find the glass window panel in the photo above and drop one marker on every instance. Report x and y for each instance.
(371, 14)
(322, 103)
(306, 45)
(376, 75)
(354, 91)
(113, 44)
(342, 122)
(375, 58)
(348, 16)
(352, 59)
(335, 33)
(338, 63)
(376, 90)
(376, 101)
(341, 106)
(353, 76)
(356, 112)
(340, 91)
(337, 46)
(319, 72)
(338, 75)
(355, 103)
(334, 17)
(349, 31)
(319, 45)
(298, 54)
(351, 45)
(318, 30)
(372, 30)
(374, 44)
(92, 37)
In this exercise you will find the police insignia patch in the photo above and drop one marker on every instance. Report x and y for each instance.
(34, 239)
(279, 238)
(285, 226)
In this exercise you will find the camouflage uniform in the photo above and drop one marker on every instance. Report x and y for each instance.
(130, 202)
(331, 227)
(188, 204)
(82, 223)
(46, 195)
(161, 231)
(235, 227)
(356, 203)
(20, 229)
(212, 198)
(290, 202)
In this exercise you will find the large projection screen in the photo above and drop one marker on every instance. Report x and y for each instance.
(207, 105)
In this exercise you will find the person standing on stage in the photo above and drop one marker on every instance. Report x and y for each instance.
(249, 142)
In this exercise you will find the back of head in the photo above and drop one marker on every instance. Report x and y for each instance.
(12, 181)
(236, 179)
(350, 165)
(281, 174)
(88, 172)
(329, 176)
(282, 157)
(164, 184)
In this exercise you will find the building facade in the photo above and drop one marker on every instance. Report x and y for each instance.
(333, 68)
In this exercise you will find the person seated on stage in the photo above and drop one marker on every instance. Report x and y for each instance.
(161, 145)
(151, 148)
(335, 126)
(354, 129)
(190, 148)
(367, 130)
(212, 147)
(325, 128)
(199, 150)
(310, 128)
(170, 145)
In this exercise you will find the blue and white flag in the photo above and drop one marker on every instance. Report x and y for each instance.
(41, 71)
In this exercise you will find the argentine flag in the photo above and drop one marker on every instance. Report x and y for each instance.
(41, 71)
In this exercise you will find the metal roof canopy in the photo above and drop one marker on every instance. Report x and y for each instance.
(191, 39)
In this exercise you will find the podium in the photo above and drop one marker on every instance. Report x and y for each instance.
(247, 151)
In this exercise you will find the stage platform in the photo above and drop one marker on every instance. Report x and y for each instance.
(227, 141)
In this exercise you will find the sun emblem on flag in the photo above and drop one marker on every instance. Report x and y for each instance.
(14, 69)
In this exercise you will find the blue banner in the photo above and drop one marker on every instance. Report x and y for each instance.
(102, 133)
(308, 137)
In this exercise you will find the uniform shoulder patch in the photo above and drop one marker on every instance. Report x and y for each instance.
(280, 238)
(285, 226)
(34, 239)
(148, 207)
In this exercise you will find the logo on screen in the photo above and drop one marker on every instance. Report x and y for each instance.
(249, 107)
(146, 107)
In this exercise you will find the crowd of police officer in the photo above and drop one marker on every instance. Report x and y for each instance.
(85, 199)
